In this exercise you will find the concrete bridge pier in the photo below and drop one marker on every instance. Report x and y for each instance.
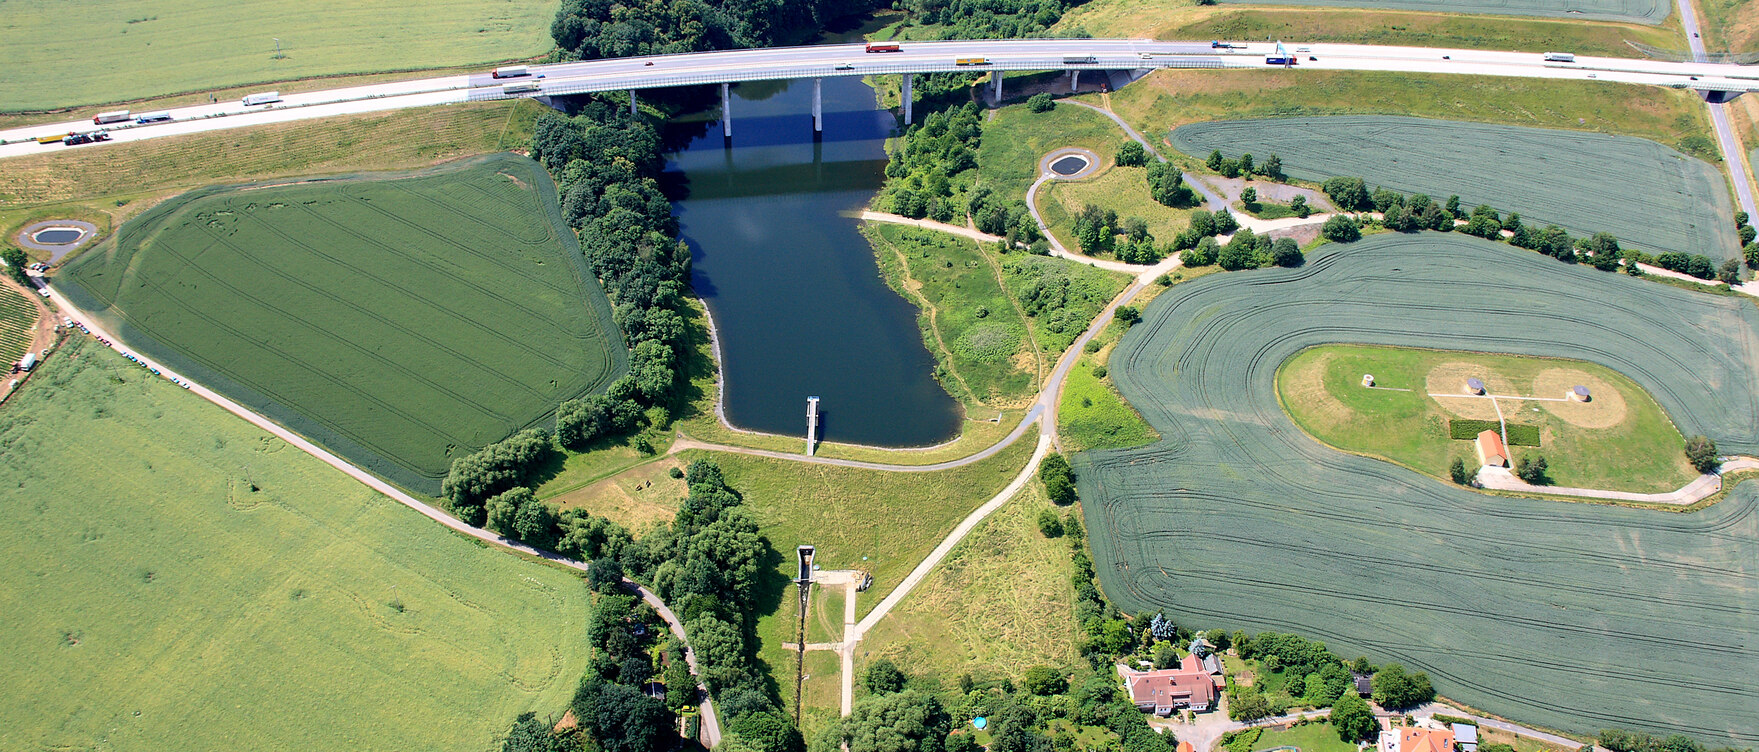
(1074, 80)
(907, 79)
(634, 104)
(818, 105)
(726, 111)
(996, 78)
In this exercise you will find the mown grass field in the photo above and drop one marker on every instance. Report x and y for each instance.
(1177, 19)
(977, 333)
(1648, 195)
(1619, 441)
(63, 57)
(1000, 603)
(1313, 737)
(18, 319)
(1167, 99)
(1016, 139)
(111, 184)
(1549, 612)
(1632, 11)
(183, 580)
(1121, 189)
(400, 319)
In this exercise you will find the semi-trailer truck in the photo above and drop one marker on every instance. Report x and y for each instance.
(75, 139)
(154, 117)
(528, 87)
(55, 139)
(110, 117)
(883, 47)
(262, 97)
(512, 71)
(971, 61)
(1284, 59)
(1560, 57)
(1080, 60)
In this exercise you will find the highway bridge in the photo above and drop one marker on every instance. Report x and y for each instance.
(1716, 81)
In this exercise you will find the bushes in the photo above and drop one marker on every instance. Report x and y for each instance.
(1166, 184)
(498, 467)
(1131, 154)
(1519, 435)
(1058, 478)
(1701, 452)
(1341, 229)
(1041, 102)
(1397, 690)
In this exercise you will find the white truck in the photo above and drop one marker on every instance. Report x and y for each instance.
(512, 71)
(110, 117)
(261, 97)
(1560, 57)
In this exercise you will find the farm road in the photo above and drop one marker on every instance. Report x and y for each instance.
(1550, 611)
(711, 731)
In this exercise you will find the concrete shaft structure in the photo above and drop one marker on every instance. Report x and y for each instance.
(726, 111)
(996, 78)
(1074, 79)
(634, 106)
(818, 105)
(907, 78)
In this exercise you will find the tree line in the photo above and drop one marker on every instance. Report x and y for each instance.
(709, 565)
(1601, 250)
(593, 29)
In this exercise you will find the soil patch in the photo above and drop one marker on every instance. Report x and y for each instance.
(1605, 410)
(1450, 378)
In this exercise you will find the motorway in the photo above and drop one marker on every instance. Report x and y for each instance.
(731, 66)
(1732, 153)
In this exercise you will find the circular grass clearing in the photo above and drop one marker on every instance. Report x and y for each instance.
(1620, 441)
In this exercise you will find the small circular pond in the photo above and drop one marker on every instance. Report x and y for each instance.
(1069, 165)
(58, 235)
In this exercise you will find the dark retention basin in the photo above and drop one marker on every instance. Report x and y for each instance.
(1069, 165)
(58, 236)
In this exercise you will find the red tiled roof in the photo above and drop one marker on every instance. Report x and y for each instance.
(1187, 685)
(1425, 740)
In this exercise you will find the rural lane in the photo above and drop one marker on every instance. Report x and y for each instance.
(710, 724)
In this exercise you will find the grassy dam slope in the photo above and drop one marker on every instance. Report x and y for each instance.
(1647, 194)
(398, 319)
(1571, 615)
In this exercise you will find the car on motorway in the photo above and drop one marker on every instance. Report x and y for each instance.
(846, 66)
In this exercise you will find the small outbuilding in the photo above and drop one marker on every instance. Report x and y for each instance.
(1474, 385)
(1368, 379)
(1579, 393)
(1465, 737)
(1491, 450)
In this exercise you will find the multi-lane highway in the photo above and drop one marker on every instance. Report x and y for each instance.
(914, 57)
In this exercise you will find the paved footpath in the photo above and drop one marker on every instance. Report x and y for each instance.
(1703, 487)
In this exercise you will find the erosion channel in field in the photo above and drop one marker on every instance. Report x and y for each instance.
(797, 302)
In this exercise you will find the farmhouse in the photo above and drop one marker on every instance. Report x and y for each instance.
(1491, 450)
(1418, 740)
(1167, 690)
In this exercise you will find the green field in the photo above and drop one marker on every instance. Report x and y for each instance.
(1120, 189)
(183, 580)
(1313, 737)
(1619, 441)
(1648, 195)
(1015, 139)
(1630, 11)
(401, 320)
(1091, 414)
(62, 56)
(1554, 613)
(977, 333)
(1000, 603)
(18, 318)
(107, 186)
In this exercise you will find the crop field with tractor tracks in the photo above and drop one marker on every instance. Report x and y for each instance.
(1560, 613)
(1650, 196)
(399, 319)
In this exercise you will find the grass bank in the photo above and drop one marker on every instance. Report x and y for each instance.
(1015, 139)
(112, 183)
(1621, 440)
(193, 583)
(1179, 19)
(1167, 99)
